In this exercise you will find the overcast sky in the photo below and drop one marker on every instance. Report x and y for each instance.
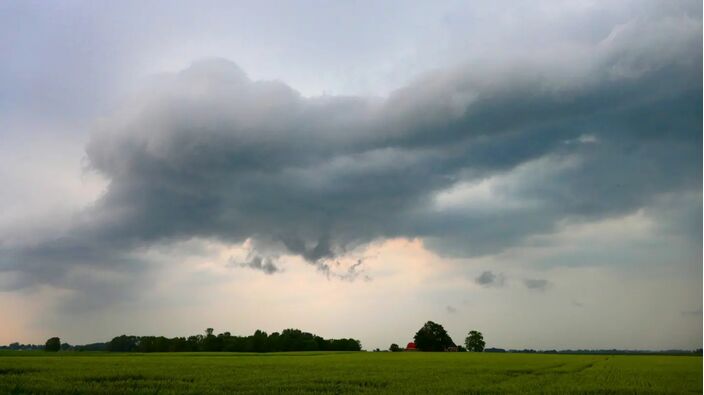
(529, 169)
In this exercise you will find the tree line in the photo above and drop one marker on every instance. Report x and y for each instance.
(260, 341)
(430, 337)
(433, 337)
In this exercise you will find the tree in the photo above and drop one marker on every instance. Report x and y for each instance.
(259, 341)
(123, 343)
(53, 344)
(394, 348)
(475, 341)
(432, 337)
(210, 341)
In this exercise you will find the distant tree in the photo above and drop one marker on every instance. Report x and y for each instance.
(475, 341)
(274, 341)
(210, 342)
(259, 341)
(53, 344)
(123, 343)
(432, 337)
(394, 348)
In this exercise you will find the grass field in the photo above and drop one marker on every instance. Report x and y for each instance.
(436, 373)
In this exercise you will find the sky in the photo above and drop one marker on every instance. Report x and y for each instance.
(528, 169)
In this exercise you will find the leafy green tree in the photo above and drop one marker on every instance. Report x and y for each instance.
(53, 344)
(394, 348)
(475, 341)
(432, 337)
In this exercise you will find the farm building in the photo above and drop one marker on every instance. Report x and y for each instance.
(411, 346)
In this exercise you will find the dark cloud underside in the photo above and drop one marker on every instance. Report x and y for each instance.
(210, 153)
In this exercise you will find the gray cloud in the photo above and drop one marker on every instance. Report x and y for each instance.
(256, 262)
(450, 309)
(210, 153)
(488, 278)
(536, 284)
(352, 273)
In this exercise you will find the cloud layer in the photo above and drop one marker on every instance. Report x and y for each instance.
(473, 159)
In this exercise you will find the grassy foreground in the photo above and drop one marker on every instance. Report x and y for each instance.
(437, 373)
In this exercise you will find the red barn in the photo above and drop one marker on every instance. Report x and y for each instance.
(411, 346)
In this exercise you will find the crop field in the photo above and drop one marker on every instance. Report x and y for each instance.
(351, 372)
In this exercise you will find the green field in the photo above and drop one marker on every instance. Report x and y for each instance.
(354, 372)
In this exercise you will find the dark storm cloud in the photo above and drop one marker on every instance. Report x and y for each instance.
(210, 153)
(537, 284)
(488, 278)
(264, 264)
